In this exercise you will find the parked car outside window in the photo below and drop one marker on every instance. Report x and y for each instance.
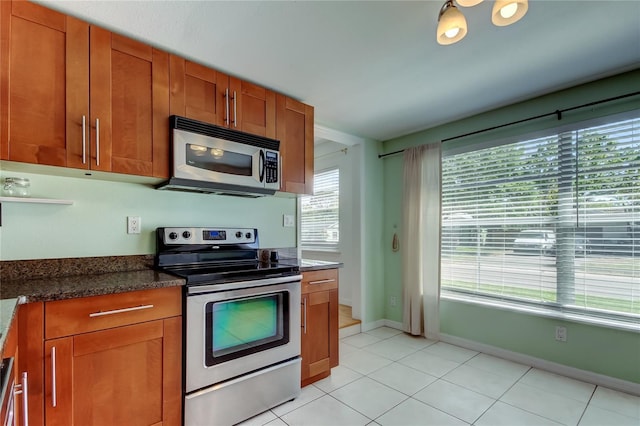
(535, 241)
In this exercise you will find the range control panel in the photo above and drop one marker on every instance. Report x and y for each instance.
(216, 236)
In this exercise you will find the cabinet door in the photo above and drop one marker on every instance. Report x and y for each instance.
(44, 70)
(126, 375)
(317, 342)
(255, 111)
(194, 92)
(295, 132)
(129, 99)
(30, 339)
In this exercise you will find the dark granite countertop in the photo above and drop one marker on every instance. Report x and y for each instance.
(58, 288)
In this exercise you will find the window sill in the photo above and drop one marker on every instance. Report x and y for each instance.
(540, 311)
(321, 250)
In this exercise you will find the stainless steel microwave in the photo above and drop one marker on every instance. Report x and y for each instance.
(213, 159)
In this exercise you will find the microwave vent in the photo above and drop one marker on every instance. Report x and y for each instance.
(198, 127)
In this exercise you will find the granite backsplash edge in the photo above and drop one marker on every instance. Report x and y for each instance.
(65, 267)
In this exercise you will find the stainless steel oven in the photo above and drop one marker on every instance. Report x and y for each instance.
(241, 323)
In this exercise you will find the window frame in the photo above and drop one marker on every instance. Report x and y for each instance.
(555, 309)
(317, 244)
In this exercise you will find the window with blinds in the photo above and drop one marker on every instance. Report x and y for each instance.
(552, 221)
(320, 213)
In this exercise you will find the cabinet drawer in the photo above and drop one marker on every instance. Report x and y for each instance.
(326, 279)
(75, 316)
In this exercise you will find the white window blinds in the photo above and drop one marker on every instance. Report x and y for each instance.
(320, 213)
(552, 221)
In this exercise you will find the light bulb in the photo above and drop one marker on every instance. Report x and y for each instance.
(509, 10)
(452, 32)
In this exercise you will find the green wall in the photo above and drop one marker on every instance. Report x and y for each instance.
(607, 351)
(95, 225)
(593, 348)
(372, 237)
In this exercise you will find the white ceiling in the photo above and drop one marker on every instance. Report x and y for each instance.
(373, 68)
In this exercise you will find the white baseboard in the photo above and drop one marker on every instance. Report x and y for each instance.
(381, 323)
(394, 324)
(371, 325)
(553, 367)
(349, 331)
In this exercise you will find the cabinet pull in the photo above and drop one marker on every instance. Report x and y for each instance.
(97, 142)
(330, 280)
(54, 398)
(235, 105)
(21, 388)
(226, 109)
(119, 311)
(84, 140)
(305, 315)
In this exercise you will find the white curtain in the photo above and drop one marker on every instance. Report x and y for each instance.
(421, 240)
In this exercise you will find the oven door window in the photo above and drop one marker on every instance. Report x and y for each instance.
(219, 160)
(239, 327)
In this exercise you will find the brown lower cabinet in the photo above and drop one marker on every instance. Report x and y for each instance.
(319, 324)
(108, 360)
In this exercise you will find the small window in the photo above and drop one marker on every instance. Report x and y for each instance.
(320, 213)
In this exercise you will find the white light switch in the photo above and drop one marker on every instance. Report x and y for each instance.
(288, 221)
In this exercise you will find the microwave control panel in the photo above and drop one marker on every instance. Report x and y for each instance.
(271, 167)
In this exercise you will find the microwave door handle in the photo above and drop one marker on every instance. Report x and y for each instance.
(261, 165)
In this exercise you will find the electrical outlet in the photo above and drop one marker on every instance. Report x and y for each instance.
(288, 221)
(561, 334)
(133, 224)
(393, 301)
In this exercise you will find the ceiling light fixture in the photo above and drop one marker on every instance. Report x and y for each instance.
(506, 12)
(452, 25)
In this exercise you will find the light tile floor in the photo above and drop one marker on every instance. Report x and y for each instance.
(389, 378)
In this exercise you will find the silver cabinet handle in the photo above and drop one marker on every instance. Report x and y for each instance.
(235, 105)
(54, 398)
(305, 315)
(84, 140)
(21, 388)
(97, 142)
(25, 400)
(119, 311)
(331, 280)
(226, 111)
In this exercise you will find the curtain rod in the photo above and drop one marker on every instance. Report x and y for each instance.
(557, 113)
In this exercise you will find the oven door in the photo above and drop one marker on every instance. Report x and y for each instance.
(236, 328)
(209, 159)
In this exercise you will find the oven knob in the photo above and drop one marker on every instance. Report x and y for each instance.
(248, 235)
(173, 236)
(238, 234)
(186, 235)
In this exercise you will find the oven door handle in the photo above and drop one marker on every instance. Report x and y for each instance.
(200, 289)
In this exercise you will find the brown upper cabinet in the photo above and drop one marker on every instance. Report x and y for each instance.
(76, 95)
(295, 132)
(204, 94)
